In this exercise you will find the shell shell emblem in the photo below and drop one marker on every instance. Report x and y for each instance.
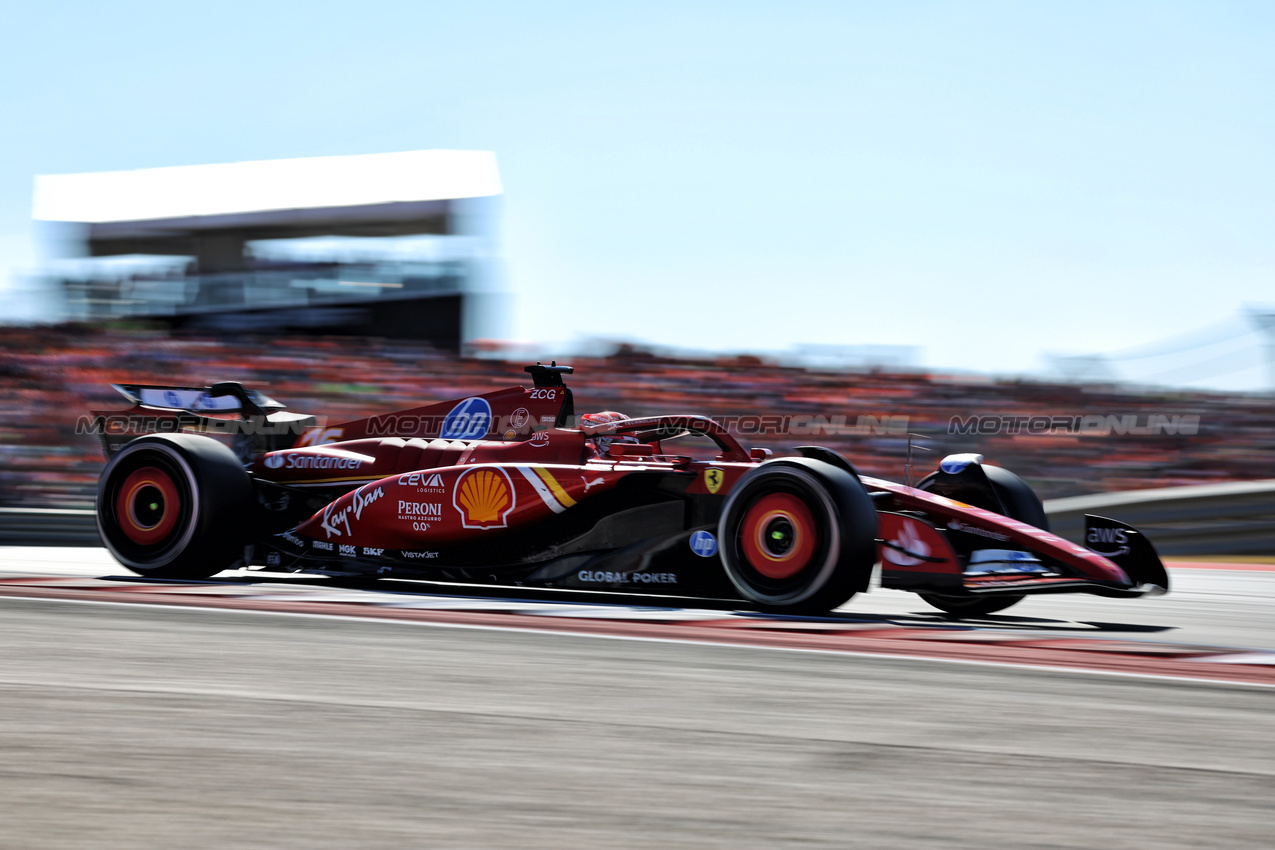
(484, 497)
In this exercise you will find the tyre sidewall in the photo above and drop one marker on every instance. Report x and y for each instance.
(215, 490)
(140, 453)
(841, 510)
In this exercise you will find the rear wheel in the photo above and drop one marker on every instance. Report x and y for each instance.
(174, 506)
(1009, 496)
(798, 537)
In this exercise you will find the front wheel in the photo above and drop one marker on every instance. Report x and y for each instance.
(971, 606)
(798, 537)
(1003, 493)
(174, 506)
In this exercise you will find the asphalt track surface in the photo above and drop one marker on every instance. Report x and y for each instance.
(171, 723)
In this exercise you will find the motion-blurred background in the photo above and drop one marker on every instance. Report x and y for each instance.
(930, 211)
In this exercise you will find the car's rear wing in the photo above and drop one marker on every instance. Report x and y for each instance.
(253, 422)
(222, 397)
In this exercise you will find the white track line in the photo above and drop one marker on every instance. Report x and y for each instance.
(1082, 671)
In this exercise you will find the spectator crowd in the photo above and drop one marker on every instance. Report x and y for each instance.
(52, 376)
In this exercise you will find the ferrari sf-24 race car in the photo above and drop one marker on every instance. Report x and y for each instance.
(509, 488)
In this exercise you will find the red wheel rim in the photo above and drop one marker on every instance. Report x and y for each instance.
(778, 536)
(147, 505)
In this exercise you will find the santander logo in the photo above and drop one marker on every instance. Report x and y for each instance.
(909, 538)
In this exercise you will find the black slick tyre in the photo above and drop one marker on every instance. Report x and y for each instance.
(971, 606)
(1010, 496)
(798, 536)
(175, 506)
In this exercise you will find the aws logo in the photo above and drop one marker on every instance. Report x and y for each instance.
(1108, 542)
(484, 497)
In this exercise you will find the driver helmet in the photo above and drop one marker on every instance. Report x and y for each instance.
(603, 444)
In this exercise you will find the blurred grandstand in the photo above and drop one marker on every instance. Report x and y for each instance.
(396, 245)
(349, 286)
(50, 376)
(1237, 352)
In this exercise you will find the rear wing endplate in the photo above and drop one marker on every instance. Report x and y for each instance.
(222, 397)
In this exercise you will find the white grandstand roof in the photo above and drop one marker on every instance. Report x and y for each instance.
(238, 188)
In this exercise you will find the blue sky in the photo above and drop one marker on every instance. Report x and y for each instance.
(990, 181)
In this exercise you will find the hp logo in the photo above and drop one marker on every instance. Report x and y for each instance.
(704, 544)
(468, 420)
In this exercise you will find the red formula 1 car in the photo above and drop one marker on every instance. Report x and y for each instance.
(509, 488)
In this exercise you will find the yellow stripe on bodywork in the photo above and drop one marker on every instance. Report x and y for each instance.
(554, 487)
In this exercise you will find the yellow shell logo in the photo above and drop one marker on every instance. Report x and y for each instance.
(484, 498)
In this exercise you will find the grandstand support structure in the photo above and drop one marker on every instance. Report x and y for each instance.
(1264, 320)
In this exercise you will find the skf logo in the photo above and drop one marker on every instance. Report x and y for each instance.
(713, 479)
(483, 497)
